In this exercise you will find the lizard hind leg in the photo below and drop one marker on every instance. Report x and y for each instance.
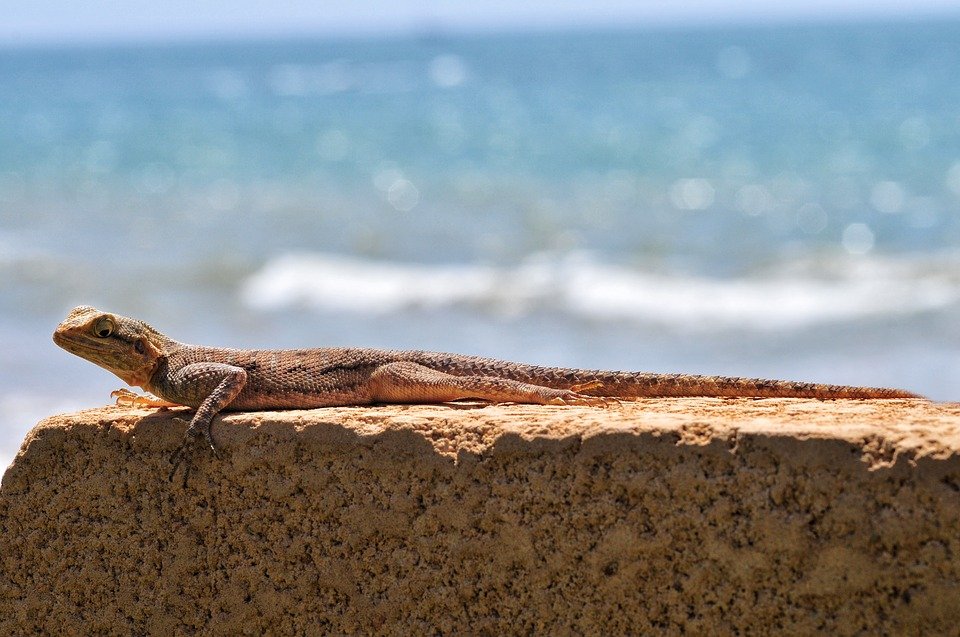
(407, 382)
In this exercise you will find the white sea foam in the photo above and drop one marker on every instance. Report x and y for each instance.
(798, 294)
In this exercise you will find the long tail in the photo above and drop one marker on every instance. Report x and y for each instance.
(648, 385)
(632, 385)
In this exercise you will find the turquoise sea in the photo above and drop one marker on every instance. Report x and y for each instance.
(779, 201)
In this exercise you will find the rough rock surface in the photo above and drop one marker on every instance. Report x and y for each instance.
(668, 516)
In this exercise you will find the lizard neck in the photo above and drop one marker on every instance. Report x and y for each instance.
(156, 380)
(155, 356)
(138, 371)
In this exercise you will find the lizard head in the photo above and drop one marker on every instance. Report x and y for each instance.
(127, 347)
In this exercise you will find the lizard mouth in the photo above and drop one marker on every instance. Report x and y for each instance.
(63, 340)
(66, 341)
(74, 344)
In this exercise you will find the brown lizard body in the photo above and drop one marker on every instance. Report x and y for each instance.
(213, 379)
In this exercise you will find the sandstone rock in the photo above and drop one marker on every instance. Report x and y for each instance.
(668, 516)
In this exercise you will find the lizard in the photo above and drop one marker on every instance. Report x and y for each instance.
(214, 379)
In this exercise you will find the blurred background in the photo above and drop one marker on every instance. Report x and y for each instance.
(718, 188)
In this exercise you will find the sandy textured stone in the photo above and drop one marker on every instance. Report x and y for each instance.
(672, 516)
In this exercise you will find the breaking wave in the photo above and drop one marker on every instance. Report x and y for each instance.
(794, 295)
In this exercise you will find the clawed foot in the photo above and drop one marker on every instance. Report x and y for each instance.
(127, 398)
(182, 454)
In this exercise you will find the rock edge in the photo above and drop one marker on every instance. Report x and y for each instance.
(696, 515)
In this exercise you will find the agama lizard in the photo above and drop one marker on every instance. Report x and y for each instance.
(212, 379)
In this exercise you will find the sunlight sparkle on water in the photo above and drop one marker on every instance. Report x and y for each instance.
(448, 70)
(857, 238)
(692, 194)
(753, 199)
(887, 196)
(403, 195)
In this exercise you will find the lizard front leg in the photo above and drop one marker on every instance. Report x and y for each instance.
(406, 382)
(215, 385)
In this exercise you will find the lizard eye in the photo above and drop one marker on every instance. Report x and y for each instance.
(104, 327)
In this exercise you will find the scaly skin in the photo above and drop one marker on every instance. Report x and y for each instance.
(211, 379)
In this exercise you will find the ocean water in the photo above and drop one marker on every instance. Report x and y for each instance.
(779, 201)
